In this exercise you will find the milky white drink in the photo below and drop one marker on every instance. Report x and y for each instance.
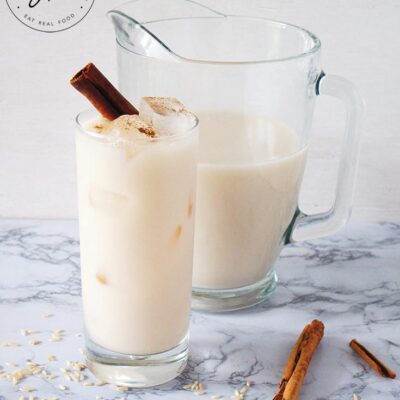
(136, 200)
(248, 183)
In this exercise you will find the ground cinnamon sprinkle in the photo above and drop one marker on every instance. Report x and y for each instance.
(101, 278)
(178, 231)
(190, 208)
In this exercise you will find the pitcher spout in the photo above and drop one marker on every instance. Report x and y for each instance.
(135, 37)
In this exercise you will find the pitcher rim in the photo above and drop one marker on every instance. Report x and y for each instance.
(315, 48)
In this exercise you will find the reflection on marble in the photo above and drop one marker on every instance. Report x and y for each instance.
(351, 281)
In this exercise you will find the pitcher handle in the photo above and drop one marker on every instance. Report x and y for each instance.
(310, 226)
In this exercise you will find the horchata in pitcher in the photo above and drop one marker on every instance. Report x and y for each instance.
(253, 83)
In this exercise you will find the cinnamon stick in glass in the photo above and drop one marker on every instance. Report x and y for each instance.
(101, 93)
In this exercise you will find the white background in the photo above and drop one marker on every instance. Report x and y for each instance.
(361, 41)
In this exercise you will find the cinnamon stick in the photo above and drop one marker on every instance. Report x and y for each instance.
(299, 360)
(372, 360)
(101, 93)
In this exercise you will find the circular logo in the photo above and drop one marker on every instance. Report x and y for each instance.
(50, 15)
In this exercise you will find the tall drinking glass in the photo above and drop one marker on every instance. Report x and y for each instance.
(136, 202)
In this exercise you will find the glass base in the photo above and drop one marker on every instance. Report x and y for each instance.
(136, 371)
(220, 300)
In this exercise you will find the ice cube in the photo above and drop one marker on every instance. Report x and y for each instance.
(130, 126)
(107, 201)
(167, 115)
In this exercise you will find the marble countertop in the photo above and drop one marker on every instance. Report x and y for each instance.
(351, 281)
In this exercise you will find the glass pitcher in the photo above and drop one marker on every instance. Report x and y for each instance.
(253, 83)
